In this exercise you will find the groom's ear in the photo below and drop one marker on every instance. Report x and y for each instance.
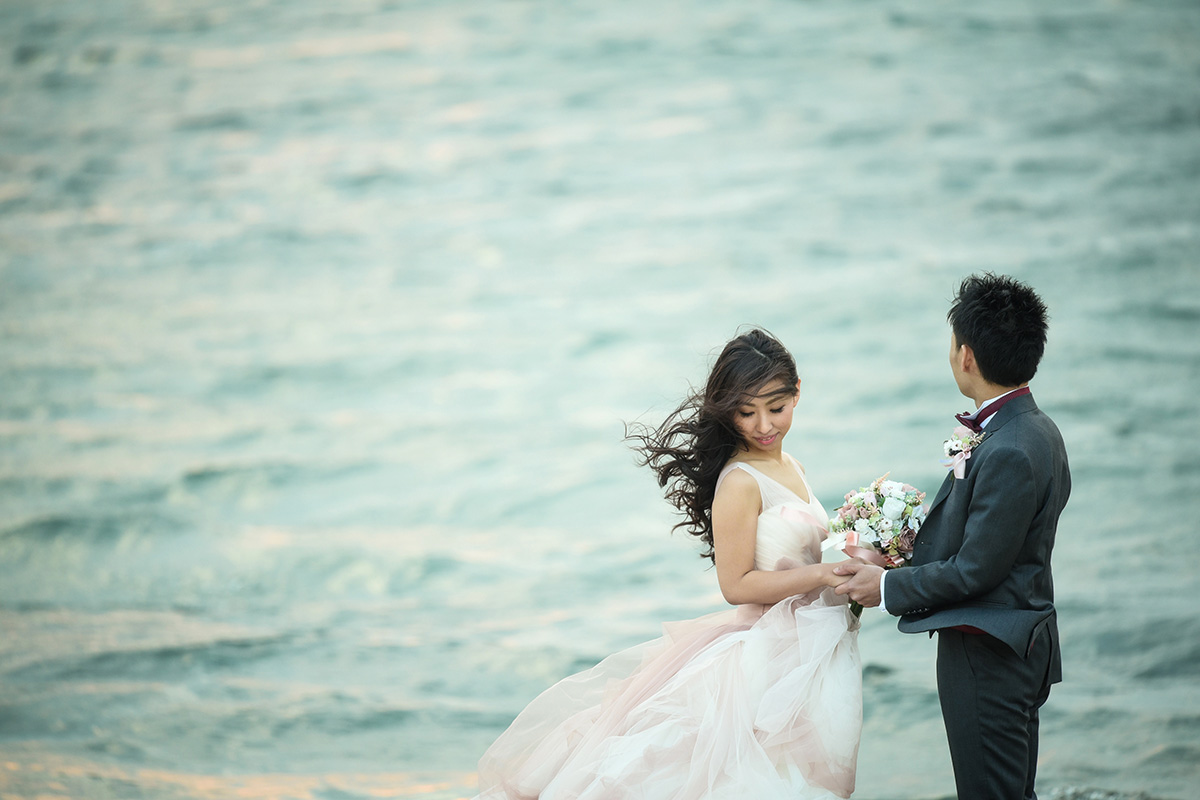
(967, 359)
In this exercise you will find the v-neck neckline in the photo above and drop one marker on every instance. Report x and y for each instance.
(777, 482)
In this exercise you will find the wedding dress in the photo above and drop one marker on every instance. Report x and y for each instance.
(758, 702)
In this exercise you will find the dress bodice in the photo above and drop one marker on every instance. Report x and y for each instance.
(788, 526)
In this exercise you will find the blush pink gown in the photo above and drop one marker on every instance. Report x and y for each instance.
(758, 702)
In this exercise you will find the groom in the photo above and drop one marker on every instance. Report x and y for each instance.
(980, 571)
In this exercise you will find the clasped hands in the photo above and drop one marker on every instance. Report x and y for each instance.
(860, 580)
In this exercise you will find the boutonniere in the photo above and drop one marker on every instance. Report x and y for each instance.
(958, 449)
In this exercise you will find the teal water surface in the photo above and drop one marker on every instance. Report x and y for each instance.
(319, 324)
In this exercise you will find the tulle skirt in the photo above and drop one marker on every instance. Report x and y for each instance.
(755, 702)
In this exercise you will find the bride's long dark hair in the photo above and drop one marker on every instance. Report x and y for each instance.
(689, 449)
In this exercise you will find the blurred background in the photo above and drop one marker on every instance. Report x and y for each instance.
(320, 323)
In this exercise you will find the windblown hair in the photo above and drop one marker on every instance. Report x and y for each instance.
(689, 449)
(1004, 322)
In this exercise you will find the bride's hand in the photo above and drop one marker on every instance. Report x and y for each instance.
(832, 579)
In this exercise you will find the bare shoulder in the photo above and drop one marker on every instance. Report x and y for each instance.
(738, 494)
(737, 503)
(797, 464)
(738, 484)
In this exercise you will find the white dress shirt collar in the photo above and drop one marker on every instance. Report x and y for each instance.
(983, 422)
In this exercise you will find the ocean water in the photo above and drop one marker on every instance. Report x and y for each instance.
(320, 324)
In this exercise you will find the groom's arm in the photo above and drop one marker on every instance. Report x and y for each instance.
(1002, 507)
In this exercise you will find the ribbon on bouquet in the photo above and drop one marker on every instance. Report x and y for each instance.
(848, 543)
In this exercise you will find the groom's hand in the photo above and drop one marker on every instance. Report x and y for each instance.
(863, 586)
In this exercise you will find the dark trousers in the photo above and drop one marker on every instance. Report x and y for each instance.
(990, 698)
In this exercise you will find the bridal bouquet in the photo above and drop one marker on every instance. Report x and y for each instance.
(879, 524)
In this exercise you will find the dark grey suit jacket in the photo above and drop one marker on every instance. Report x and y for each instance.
(982, 558)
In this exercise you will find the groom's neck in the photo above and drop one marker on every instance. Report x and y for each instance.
(985, 391)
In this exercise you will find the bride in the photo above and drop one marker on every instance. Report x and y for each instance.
(763, 700)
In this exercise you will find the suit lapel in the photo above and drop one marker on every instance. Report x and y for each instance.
(943, 492)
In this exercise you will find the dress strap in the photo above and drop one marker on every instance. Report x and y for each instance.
(730, 467)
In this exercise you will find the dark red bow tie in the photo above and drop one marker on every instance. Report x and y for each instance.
(985, 412)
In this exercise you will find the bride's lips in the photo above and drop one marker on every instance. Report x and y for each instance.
(767, 440)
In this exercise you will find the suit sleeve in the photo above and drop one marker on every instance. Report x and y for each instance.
(1002, 507)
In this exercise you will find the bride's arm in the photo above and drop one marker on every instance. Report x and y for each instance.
(735, 513)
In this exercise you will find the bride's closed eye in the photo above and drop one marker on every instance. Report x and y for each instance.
(748, 414)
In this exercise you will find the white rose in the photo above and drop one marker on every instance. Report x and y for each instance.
(863, 527)
(891, 489)
(893, 508)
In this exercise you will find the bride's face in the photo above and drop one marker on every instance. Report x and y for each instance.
(766, 418)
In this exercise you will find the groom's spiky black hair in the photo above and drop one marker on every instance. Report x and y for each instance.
(1004, 322)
